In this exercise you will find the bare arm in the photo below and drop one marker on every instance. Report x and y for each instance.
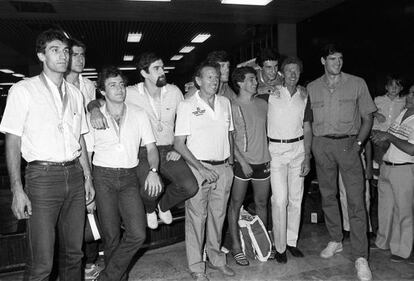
(399, 143)
(246, 168)
(98, 120)
(307, 140)
(366, 126)
(84, 161)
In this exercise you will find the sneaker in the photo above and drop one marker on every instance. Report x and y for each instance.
(152, 220)
(166, 216)
(331, 249)
(199, 276)
(363, 270)
(93, 272)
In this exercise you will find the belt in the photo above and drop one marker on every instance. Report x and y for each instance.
(50, 163)
(286, 141)
(215, 163)
(397, 164)
(338, 137)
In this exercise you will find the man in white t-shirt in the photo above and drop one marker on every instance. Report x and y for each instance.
(202, 137)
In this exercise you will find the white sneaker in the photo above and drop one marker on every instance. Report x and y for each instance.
(331, 249)
(93, 272)
(363, 270)
(152, 220)
(166, 216)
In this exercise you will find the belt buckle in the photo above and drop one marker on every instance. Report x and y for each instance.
(283, 141)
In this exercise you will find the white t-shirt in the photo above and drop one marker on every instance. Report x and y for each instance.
(88, 90)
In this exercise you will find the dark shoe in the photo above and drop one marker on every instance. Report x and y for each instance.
(346, 234)
(199, 276)
(410, 259)
(295, 251)
(224, 269)
(395, 258)
(240, 259)
(281, 257)
(272, 254)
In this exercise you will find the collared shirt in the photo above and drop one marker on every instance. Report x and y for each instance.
(118, 146)
(273, 83)
(35, 114)
(171, 96)
(402, 130)
(224, 91)
(390, 109)
(207, 130)
(339, 112)
(88, 90)
(286, 114)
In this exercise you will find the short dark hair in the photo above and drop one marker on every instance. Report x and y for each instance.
(267, 54)
(239, 74)
(393, 77)
(48, 36)
(200, 68)
(75, 42)
(292, 60)
(217, 56)
(146, 59)
(108, 72)
(330, 49)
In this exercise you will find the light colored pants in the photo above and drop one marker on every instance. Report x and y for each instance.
(395, 209)
(204, 218)
(287, 192)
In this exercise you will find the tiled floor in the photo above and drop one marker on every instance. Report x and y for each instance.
(169, 263)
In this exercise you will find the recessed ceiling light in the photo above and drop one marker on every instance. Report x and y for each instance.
(200, 38)
(127, 68)
(177, 57)
(128, 58)
(8, 71)
(89, 69)
(18, 75)
(169, 67)
(187, 49)
(89, 73)
(166, 71)
(134, 37)
(7, 84)
(247, 2)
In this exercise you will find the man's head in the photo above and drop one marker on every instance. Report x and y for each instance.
(151, 68)
(268, 60)
(409, 102)
(291, 68)
(221, 58)
(207, 78)
(77, 56)
(393, 85)
(332, 59)
(53, 51)
(111, 82)
(244, 79)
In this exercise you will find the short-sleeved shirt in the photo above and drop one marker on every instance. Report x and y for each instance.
(88, 90)
(339, 112)
(286, 114)
(35, 114)
(171, 96)
(118, 146)
(402, 130)
(390, 109)
(207, 130)
(224, 91)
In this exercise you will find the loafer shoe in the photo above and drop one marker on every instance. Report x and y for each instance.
(152, 220)
(199, 276)
(363, 270)
(281, 257)
(295, 251)
(224, 269)
(331, 249)
(166, 216)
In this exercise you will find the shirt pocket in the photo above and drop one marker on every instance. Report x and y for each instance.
(318, 111)
(346, 110)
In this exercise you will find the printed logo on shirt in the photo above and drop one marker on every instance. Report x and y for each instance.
(199, 112)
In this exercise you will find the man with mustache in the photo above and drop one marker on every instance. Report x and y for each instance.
(160, 100)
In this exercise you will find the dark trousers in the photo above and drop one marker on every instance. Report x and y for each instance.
(343, 154)
(183, 183)
(117, 199)
(57, 195)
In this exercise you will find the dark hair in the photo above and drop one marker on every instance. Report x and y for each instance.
(108, 72)
(330, 49)
(292, 60)
(267, 54)
(200, 68)
(239, 74)
(145, 60)
(217, 56)
(392, 77)
(48, 36)
(75, 42)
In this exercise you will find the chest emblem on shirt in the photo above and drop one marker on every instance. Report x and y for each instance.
(199, 111)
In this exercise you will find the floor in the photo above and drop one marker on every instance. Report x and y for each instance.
(169, 263)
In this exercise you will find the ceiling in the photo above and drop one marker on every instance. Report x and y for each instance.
(166, 26)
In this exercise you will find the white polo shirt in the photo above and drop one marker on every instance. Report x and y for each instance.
(207, 130)
(118, 146)
(88, 90)
(171, 96)
(390, 109)
(404, 131)
(285, 115)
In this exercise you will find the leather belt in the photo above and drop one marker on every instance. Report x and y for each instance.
(50, 163)
(215, 163)
(338, 137)
(397, 164)
(286, 141)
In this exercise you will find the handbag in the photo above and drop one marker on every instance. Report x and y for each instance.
(92, 228)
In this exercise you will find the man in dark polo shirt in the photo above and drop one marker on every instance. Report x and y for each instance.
(342, 119)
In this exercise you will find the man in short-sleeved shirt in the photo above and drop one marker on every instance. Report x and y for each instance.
(342, 119)
(202, 137)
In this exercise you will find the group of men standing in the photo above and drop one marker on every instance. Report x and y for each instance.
(148, 132)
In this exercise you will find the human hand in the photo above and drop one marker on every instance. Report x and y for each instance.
(246, 168)
(305, 167)
(91, 207)
(89, 190)
(173, 156)
(98, 120)
(21, 205)
(380, 117)
(208, 175)
(153, 184)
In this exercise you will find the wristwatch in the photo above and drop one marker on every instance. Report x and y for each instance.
(154, 170)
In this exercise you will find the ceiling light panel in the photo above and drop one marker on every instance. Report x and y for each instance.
(187, 49)
(8, 71)
(169, 67)
(134, 37)
(247, 2)
(127, 68)
(200, 38)
(89, 69)
(177, 57)
(128, 58)
(18, 75)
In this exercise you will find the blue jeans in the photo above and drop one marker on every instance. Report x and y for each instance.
(57, 195)
(183, 183)
(117, 199)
